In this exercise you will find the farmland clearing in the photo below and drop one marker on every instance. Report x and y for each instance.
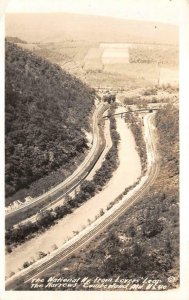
(119, 65)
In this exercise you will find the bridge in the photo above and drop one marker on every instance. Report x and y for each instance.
(130, 111)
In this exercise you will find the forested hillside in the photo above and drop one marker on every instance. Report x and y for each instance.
(46, 110)
(144, 242)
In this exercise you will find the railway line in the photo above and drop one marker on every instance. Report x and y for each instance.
(96, 228)
(74, 180)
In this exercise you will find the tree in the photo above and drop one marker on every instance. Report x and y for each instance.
(88, 187)
(26, 264)
(101, 212)
(45, 218)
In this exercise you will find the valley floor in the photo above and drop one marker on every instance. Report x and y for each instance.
(127, 173)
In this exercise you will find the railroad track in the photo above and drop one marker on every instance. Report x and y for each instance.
(63, 254)
(71, 183)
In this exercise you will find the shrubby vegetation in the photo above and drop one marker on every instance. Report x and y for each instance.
(13, 39)
(88, 189)
(169, 140)
(156, 54)
(46, 110)
(136, 128)
(109, 97)
(155, 94)
(145, 241)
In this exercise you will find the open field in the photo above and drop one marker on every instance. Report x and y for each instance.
(169, 75)
(120, 65)
(159, 54)
(94, 47)
(93, 61)
(149, 72)
(115, 55)
(101, 51)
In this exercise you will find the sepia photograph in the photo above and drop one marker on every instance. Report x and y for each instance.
(92, 146)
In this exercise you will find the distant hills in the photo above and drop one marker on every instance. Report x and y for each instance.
(57, 27)
(46, 111)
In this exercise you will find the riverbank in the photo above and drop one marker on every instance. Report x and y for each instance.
(126, 174)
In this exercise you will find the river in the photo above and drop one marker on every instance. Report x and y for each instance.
(128, 171)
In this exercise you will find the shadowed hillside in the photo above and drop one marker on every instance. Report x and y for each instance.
(46, 110)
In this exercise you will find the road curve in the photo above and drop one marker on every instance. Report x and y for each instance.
(98, 226)
(70, 183)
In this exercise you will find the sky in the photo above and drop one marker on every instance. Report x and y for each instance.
(166, 11)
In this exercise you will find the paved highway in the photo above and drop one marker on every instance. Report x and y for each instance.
(78, 242)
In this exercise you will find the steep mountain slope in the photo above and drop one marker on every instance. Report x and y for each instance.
(46, 110)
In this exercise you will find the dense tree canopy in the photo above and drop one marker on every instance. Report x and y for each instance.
(46, 110)
(47, 218)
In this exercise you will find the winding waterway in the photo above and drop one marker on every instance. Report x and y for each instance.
(127, 173)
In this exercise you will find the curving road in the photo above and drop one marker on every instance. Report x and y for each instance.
(100, 224)
(89, 176)
(72, 181)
